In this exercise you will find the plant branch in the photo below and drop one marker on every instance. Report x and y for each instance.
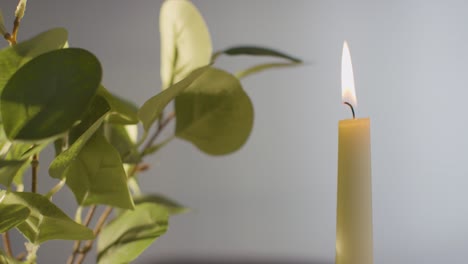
(160, 128)
(7, 244)
(77, 245)
(99, 225)
(19, 14)
(34, 167)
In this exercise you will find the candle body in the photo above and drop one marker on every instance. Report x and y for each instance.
(354, 243)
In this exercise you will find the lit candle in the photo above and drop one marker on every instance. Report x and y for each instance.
(354, 202)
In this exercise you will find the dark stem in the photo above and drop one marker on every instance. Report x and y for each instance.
(7, 244)
(352, 109)
(89, 244)
(77, 245)
(34, 167)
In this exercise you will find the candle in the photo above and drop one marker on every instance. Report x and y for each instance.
(354, 200)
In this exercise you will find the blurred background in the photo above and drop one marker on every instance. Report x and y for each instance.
(274, 201)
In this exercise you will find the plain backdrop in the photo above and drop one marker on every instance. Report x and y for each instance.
(276, 197)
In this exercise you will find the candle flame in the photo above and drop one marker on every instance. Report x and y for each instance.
(348, 94)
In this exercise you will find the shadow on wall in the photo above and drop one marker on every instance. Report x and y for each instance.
(237, 261)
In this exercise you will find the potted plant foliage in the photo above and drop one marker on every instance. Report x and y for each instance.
(51, 94)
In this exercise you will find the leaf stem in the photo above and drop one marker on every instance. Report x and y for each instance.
(55, 189)
(89, 244)
(78, 213)
(34, 167)
(7, 244)
(77, 245)
(19, 14)
(14, 34)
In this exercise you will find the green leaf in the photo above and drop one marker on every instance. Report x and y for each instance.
(257, 51)
(172, 206)
(214, 113)
(132, 132)
(12, 215)
(185, 41)
(46, 220)
(16, 161)
(9, 169)
(153, 108)
(123, 111)
(12, 58)
(49, 94)
(63, 160)
(120, 139)
(97, 176)
(127, 236)
(262, 67)
(4, 142)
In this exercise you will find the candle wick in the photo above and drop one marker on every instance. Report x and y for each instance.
(352, 109)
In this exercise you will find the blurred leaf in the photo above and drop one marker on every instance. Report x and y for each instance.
(262, 67)
(122, 111)
(120, 139)
(172, 206)
(132, 131)
(257, 51)
(128, 235)
(152, 109)
(96, 175)
(16, 161)
(4, 259)
(48, 95)
(214, 113)
(185, 41)
(12, 215)
(9, 169)
(4, 142)
(62, 162)
(12, 58)
(46, 220)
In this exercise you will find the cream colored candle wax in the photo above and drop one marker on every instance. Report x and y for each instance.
(354, 243)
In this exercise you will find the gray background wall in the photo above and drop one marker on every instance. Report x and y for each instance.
(276, 197)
